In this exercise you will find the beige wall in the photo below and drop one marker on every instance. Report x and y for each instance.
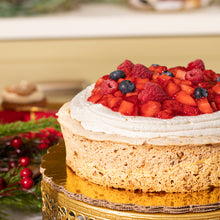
(90, 58)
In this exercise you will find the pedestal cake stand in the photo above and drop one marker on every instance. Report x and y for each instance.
(67, 196)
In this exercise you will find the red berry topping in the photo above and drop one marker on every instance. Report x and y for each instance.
(141, 71)
(24, 161)
(16, 142)
(109, 87)
(158, 91)
(152, 92)
(126, 66)
(27, 183)
(196, 64)
(195, 76)
(25, 172)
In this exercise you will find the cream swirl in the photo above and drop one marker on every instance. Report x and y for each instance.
(97, 118)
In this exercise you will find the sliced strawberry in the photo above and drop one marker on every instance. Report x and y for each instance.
(186, 82)
(126, 108)
(157, 69)
(204, 105)
(179, 72)
(118, 94)
(204, 85)
(151, 92)
(141, 71)
(172, 105)
(99, 81)
(216, 89)
(196, 64)
(95, 98)
(184, 98)
(132, 99)
(217, 99)
(210, 75)
(126, 66)
(165, 114)
(218, 106)
(163, 80)
(114, 102)
(195, 76)
(141, 81)
(131, 94)
(150, 108)
(172, 89)
(177, 81)
(190, 110)
(189, 90)
(109, 87)
(214, 106)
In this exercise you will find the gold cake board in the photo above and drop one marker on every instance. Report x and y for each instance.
(67, 196)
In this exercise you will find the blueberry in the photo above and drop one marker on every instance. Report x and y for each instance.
(218, 79)
(200, 92)
(126, 86)
(155, 65)
(117, 74)
(168, 73)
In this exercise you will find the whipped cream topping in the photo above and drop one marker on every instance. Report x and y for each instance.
(98, 118)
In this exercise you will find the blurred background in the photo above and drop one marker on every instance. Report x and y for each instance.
(66, 44)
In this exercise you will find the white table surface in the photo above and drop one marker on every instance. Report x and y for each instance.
(112, 20)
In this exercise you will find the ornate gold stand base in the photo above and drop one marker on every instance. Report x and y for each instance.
(59, 203)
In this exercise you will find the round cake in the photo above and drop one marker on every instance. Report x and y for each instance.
(150, 129)
(23, 96)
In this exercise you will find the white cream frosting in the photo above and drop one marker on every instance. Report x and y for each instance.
(97, 118)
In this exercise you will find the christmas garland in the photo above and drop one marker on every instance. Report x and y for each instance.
(21, 146)
(31, 7)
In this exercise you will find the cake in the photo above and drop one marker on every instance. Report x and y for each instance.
(23, 96)
(149, 129)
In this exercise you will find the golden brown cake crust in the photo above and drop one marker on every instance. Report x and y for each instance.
(145, 167)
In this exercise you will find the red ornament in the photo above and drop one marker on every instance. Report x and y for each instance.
(16, 142)
(27, 183)
(12, 164)
(25, 172)
(24, 161)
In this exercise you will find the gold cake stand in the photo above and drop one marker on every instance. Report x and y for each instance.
(67, 196)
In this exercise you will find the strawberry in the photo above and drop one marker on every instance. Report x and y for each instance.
(210, 75)
(150, 108)
(216, 89)
(173, 105)
(141, 71)
(177, 81)
(163, 80)
(126, 108)
(109, 87)
(152, 92)
(172, 89)
(140, 83)
(99, 81)
(204, 85)
(179, 72)
(132, 99)
(114, 101)
(189, 90)
(157, 69)
(190, 110)
(126, 66)
(204, 105)
(217, 99)
(195, 76)
(196, 64)
(118, 94)
(184, 98)
(165, 114)
(95, 98)
(214, 106)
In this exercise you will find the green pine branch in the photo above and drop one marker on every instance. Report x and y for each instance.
(23, 127)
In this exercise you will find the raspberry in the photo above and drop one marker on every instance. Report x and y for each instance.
(126, 66)
(141, 71)
(151, 92)
(195, 76)
(108, 87)
(196, 64)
